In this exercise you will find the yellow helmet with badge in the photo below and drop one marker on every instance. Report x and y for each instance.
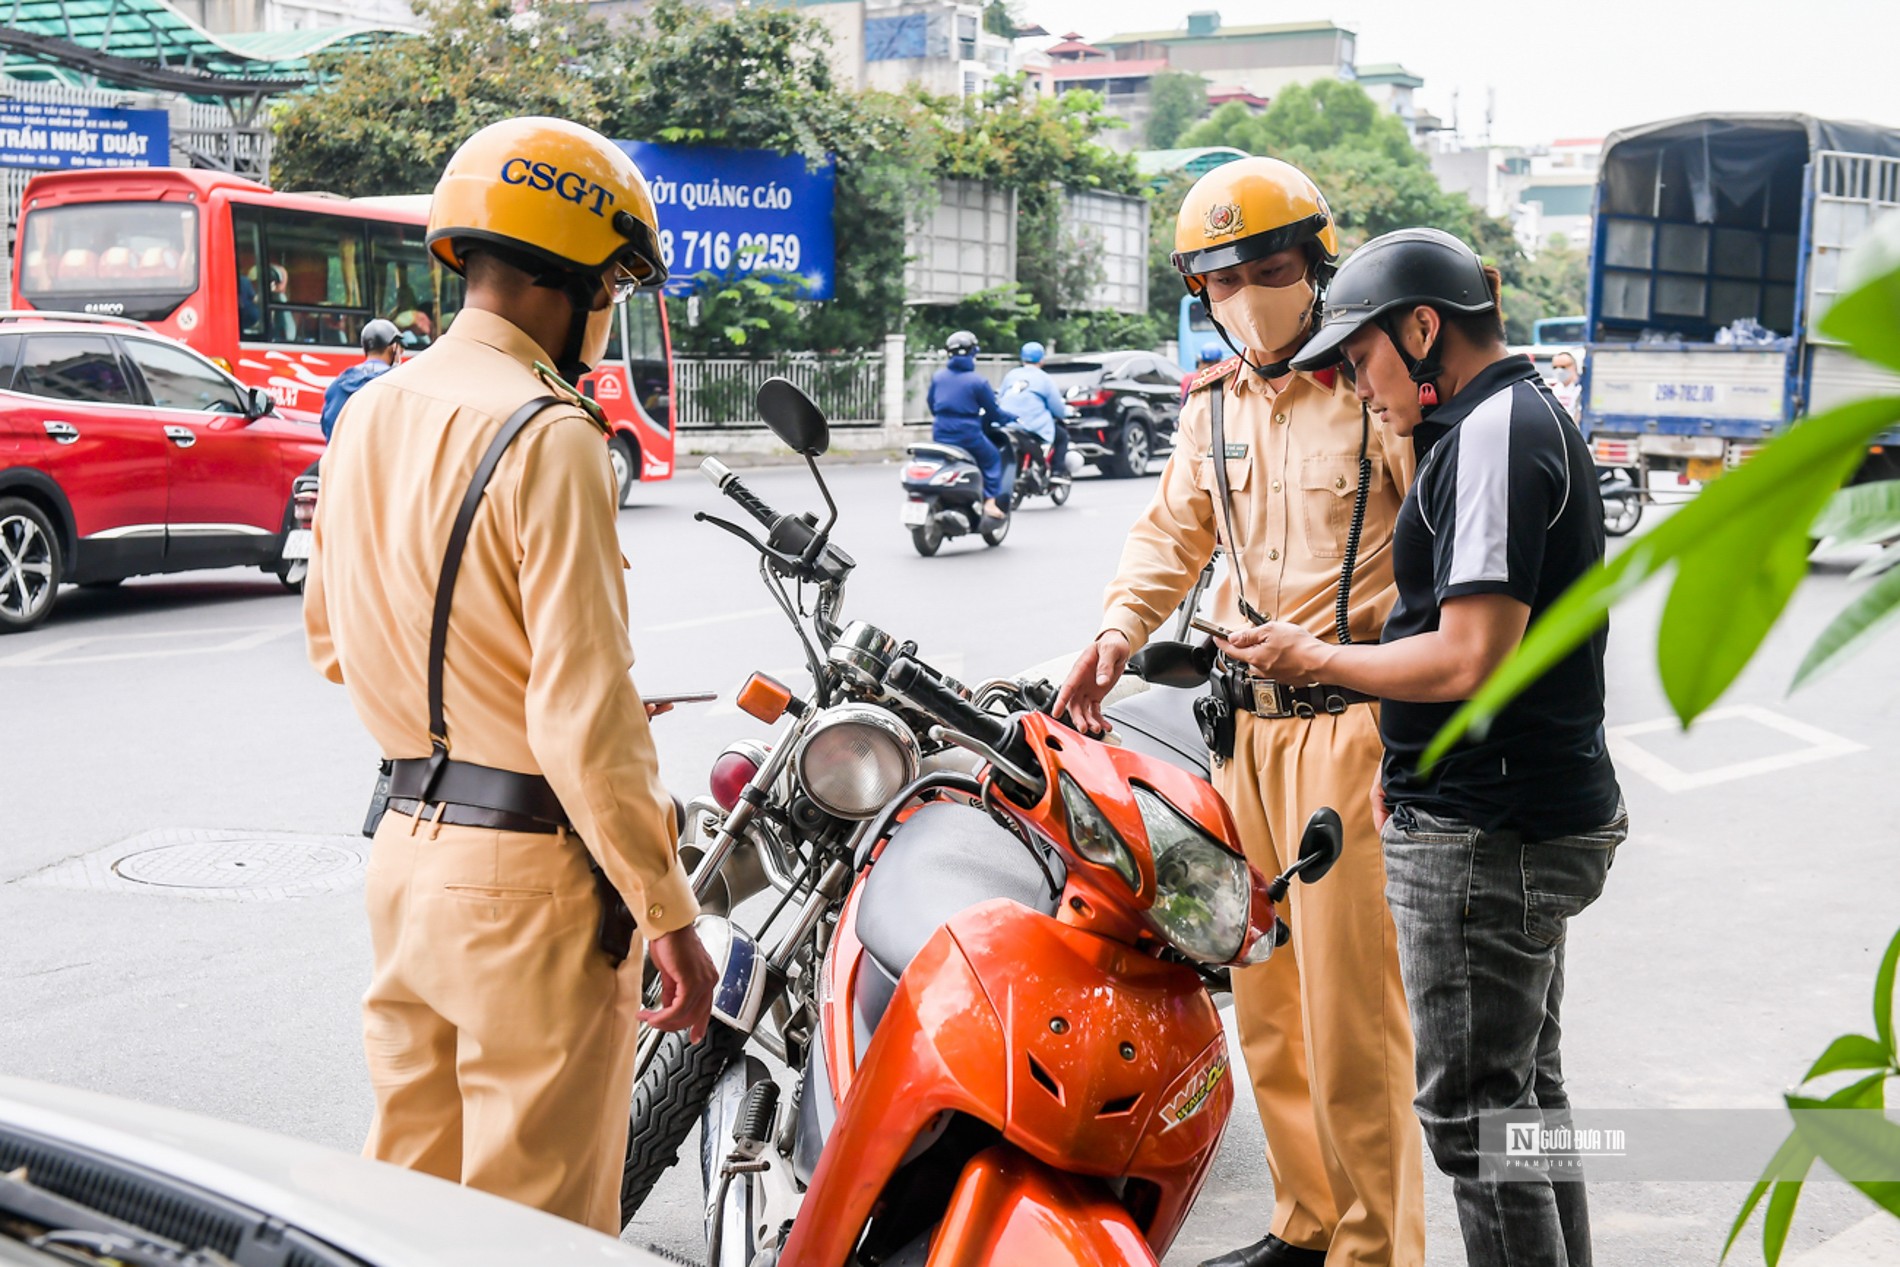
(558, 192)
(1246, 210)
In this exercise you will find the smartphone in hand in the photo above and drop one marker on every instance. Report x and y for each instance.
(1209, 627)
(683, 697)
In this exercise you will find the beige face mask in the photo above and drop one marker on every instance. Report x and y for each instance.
(1266, 320)
(600, 327)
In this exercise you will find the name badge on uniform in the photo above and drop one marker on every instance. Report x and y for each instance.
(1232, 452)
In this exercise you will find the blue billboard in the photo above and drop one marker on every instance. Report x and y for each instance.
(50, 137)
(731, 213)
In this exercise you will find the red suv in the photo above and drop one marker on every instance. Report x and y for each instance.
(123, 452)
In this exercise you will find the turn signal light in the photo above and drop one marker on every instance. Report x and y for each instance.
(765, 699)
(731, 773)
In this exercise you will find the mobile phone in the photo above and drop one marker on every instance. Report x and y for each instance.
(682, 697)
(1209, 627)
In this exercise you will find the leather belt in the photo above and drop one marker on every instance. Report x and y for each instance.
(469, 790)
(1264, 697)
(455, 815)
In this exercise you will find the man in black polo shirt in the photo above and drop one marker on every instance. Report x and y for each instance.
(1490, 853)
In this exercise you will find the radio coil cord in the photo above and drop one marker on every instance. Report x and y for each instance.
(1342, 613)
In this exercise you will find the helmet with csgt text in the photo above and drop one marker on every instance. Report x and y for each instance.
(1247, 210)
(561, 194)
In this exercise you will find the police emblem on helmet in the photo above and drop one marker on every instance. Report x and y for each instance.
(1224, 219)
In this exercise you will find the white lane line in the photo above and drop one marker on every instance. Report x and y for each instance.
(234, 638)
(1822, 746)
(699, 622)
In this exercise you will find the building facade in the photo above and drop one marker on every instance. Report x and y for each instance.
(1259, 59)
(939, 45)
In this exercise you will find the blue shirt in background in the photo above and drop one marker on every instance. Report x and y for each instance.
(1035, 401)
(346, 385)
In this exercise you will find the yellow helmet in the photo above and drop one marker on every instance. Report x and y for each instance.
(561, 193)
(1247, 209)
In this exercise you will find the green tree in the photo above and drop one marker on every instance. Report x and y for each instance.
(1552, 285)
(1177, 100)
(999, 18)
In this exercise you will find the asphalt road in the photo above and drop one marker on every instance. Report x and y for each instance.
(1739, 933)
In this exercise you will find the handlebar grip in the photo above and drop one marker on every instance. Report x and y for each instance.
(726, 482)
(912, 680)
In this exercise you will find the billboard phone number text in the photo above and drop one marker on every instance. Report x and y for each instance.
(690, 251)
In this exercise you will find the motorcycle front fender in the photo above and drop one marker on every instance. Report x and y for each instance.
(1010, 1208)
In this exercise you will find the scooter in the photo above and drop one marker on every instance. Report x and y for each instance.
(945, 488)
(1622, 501)
(1036, 475)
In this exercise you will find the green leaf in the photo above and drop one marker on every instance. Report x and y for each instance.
(1883, 996)
(1789, 1164)
(1780, 1213)
(1816, 455)
(1849, 1051)
(1880, 563)
(1857, 1143)
(1871, 611)
(1865, 512)
(1866, 316)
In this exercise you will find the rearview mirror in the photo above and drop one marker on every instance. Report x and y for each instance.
(1320, 843)
(1179, 664)
(262, 404)
(793, 417)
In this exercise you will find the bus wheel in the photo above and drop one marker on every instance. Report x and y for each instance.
(626, 461)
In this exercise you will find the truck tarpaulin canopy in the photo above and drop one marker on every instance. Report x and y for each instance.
(1681, 169)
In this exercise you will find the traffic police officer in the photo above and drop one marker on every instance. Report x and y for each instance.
(500, 1037)
(1301, 489)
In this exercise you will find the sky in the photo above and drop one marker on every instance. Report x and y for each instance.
(1582, 69)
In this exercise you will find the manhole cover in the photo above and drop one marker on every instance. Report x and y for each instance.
(237, 864)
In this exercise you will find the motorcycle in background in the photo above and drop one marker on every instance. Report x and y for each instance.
(1622, 500)
(944, 487)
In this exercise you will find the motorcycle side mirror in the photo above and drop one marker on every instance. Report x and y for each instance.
(1320, 846)
(1178, 664)
(793, 417)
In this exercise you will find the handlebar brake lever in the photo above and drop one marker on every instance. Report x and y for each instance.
(1028, 781)
(785, 563)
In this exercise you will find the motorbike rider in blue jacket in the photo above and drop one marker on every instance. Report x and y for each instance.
(1035, 400)
(961, 401)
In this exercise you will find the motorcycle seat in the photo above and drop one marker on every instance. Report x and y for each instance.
(948, 452)
(944, 859)
(1159, 722)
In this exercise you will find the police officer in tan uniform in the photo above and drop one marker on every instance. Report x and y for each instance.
(499, 1028)
(1300, 487)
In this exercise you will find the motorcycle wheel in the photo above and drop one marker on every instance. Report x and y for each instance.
(667, 1101)
(1059, 491)
(926, 538)
(994, 536)
(1621, 515)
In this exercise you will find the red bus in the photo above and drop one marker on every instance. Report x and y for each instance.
(276, 287)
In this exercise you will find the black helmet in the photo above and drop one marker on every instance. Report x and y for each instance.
(962, 343)
(1395, 273)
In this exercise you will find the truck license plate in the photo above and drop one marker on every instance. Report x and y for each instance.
(915, 514)
(1703, 470)
(297, 544)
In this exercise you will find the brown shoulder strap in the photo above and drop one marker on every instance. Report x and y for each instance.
(1217, 429)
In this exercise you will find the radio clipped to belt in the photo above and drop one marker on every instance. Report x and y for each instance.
(461, 793)
(1235, 689)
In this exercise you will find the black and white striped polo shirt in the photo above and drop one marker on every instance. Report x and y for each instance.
(1505, 502)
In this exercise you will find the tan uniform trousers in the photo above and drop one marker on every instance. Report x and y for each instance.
(500, 1039)
(1327, 1037)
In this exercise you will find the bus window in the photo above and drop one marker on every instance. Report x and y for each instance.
(314, 271)
(248, 235)
(404, 283)
(134, 259)
(646, 358)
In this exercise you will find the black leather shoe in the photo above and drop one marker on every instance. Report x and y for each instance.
(1269, 1252)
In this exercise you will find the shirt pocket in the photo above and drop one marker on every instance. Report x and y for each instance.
(1329, 485)
(1205, 479)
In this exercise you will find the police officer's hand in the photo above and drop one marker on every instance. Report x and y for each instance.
(654, 710)
(1379, 812)
(687, 982)
(1096, 671)
(1277, 649)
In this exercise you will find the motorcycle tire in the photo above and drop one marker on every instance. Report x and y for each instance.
(1059, 492)
(1621, 515)
(994, 536)
(926, 538)
(667, 1101)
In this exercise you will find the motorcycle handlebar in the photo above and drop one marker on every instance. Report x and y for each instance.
(726, 482)
(921, 687)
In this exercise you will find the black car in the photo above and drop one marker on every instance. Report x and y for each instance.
(1124, 407)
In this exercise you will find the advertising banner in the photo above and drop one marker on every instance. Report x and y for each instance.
(52, 137)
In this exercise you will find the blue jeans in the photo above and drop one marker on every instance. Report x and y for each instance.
(1481, 917)
(967, 434)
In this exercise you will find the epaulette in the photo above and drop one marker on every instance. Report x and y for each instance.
(1214, 373)
(569, 393)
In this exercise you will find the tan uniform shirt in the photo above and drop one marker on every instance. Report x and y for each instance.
(1293, 466)
(536, 672)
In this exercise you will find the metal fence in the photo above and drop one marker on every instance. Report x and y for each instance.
(719, 394)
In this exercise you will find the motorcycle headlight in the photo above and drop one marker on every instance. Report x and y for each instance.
(855, 758)
(1202, 892)
(1093, 836)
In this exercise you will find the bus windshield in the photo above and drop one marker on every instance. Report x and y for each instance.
(143, 255)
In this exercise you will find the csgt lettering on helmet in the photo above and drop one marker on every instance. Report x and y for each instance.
(569, 186)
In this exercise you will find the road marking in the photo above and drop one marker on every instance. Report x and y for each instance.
(1822, 746)
(235, 638)
(699, 622)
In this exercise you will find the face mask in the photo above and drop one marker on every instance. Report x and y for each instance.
(1266, 320)
(1566, 375)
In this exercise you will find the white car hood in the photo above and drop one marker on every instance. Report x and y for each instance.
(385, 1215)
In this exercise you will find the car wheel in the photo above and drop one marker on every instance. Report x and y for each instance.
(30, 565)
(1132, 450)
(626, 464)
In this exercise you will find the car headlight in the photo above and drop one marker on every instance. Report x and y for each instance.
(855, 758)
(1093, 836)
(1202, 891)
